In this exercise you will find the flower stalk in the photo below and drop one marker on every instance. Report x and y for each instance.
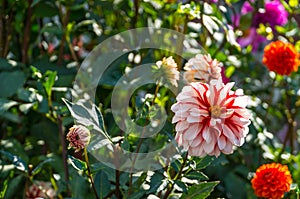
(89, 173)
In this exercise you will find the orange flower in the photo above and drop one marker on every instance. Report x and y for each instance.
(272, 181)
(281, 58)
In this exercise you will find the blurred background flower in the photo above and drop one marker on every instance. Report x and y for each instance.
(202, 68)
(271, 15)
(40, 189)
(272, 181)
(281, 58)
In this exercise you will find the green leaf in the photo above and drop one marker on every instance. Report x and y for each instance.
(10, 82)
(39, 167)
(196, 175)
(88, 117)
(155, 182)
(52, 30)
(200, 191)
(14, 184)
(182, 186)
(5, 64)
(35, 2)
(16, 161)
(27, 95)
(176, 165)
(6, 104)
(77, 164)
(45, 9)
(100, 118)
(102, 184)
(204, 162)
(137, 195)
(50, 77)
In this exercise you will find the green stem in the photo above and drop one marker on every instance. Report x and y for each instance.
(26, 37)
(155, 93)
(170, 188)
(64, 151)
(64, 21)
(270, 97)
(89, 173)
(141, 141)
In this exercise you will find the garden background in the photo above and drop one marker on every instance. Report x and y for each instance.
(42, 46)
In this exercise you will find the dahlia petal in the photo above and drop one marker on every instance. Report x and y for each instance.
(216, 152)
(240, 142)
(180, 126)
(191, 100)
(245, 131)
(199, 112)
(176, 118)
(206, 134)
(196, 151)
(229, 134)
(226, 90)
(185, 144)
(228, 148)
(221, 142)
(193, 119)
(208, 147)
(239, 92)
(195, 142)
(191, 132)
(241, 101)
(201, 88)
(178, 138)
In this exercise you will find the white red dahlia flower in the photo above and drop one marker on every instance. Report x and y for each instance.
(211, 118)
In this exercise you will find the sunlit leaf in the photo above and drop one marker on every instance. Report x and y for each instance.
(17, 161)
(77, 164)
(39, 167)
(200, 191)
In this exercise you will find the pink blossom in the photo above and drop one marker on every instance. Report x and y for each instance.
(274, 14)
(211, 118)
(252, 38)
(40, 189)
(202, 68)
(79, 137)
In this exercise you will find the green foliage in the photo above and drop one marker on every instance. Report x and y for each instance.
(42, 46)
(200, 191)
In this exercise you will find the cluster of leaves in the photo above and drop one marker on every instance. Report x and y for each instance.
(42, 44)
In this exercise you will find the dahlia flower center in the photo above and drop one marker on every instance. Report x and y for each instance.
(216, 110)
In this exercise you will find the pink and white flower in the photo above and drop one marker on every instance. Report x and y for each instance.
(40, 189)
(79, 137)
(202, 68)
(211, 118)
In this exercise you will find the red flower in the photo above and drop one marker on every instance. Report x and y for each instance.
(281, 58)
(272, 181)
